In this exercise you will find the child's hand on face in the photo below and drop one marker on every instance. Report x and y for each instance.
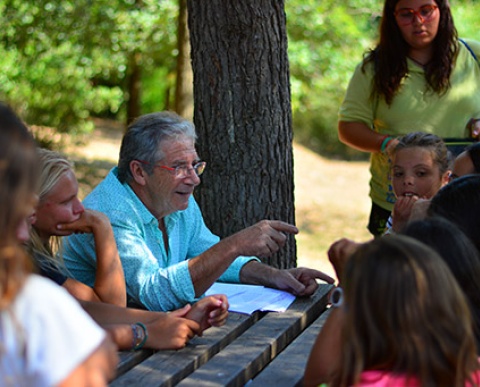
(89, 221)
(402, 211)
(419, 210)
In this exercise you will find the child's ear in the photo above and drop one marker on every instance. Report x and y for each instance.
(446, 177)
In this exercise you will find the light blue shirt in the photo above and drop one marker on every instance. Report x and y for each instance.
(154, 278)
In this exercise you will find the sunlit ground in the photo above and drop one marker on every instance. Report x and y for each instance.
(331, 202)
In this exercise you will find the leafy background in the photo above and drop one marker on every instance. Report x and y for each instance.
(64, 62)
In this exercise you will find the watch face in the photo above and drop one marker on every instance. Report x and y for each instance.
(336, 297)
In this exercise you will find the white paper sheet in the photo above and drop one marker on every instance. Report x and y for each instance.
(249, 298)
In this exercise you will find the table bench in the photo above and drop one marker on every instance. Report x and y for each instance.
(259, 349)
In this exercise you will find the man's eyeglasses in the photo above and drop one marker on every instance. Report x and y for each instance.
(406, 16)
(182, 171)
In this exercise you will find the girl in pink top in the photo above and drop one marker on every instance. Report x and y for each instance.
(405, 320)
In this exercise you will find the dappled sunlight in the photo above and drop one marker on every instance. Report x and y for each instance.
(331, 202)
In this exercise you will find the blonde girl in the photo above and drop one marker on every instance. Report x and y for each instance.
(59, 213)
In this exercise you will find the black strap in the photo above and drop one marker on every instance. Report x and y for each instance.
(469, 49)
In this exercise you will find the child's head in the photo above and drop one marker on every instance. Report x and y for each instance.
(459, 202)
(58, 194)
(58, 203)
(457, 251)
(420, 165)
(467, 162)
(18, 172)
(405, 313)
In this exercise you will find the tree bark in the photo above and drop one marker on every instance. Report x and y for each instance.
(184, 84)
(243, 115)
(134, 87)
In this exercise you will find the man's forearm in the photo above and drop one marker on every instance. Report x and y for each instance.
(257, 273)
(206, 268)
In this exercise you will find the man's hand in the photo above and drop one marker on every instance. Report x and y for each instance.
(209, 311)
(299, 281)
(262, 239)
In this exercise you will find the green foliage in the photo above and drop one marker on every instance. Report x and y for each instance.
(465, 15)
(326, 41)
(64, 61)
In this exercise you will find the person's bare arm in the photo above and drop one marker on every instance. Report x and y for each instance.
(261, 240)
(105, 314)
(109, 284)
(81, 291)
(359, 136)
(169, 331)
(166, 330)
(325, 354)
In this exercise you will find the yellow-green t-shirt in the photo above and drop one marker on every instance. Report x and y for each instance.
(413, 109)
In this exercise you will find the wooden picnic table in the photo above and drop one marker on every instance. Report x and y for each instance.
(261, 349)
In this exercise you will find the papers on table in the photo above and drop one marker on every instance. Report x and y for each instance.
(249, 298)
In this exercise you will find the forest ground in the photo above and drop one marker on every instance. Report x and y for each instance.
(331, 196)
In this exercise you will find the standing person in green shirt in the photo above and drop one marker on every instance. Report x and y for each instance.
(419, 77)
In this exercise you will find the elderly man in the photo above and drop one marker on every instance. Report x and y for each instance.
(169, 256)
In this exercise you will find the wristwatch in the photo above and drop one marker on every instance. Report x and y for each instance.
(336, 297)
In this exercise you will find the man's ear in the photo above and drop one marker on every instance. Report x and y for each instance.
(138, 173)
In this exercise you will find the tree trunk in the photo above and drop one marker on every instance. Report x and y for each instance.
(184, 84)
(134, 87)
(243, 115)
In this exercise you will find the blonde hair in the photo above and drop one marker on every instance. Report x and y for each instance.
(405, 314)
(53, 166)
(17, 186)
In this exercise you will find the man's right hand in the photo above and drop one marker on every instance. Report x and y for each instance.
(262, 239)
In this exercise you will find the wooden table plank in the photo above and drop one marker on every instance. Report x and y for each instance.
(251, 352)
(166, 368)
(288, 368)
(128, 360)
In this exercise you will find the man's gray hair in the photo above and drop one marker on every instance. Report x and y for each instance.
(143, 138)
